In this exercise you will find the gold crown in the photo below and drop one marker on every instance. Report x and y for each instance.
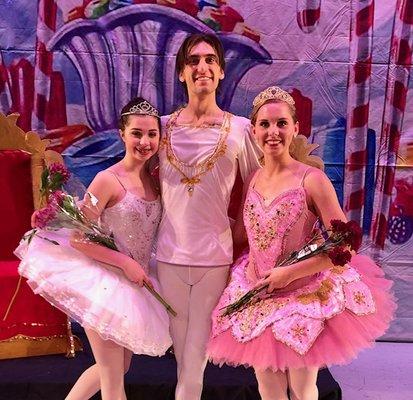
(273, 93)
(142, 108)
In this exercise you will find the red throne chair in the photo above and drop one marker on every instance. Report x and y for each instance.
(29, 325)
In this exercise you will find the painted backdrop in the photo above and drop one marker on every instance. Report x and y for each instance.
(69, 66)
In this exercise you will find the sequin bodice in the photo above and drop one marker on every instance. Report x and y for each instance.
(134, 222)
(297, 313)
(275, 229)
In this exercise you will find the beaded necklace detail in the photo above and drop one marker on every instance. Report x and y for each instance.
(192, 173)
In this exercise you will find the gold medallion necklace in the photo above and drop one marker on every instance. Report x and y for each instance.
(192, 173)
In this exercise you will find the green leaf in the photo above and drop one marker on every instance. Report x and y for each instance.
(56, 181)
(44, 179)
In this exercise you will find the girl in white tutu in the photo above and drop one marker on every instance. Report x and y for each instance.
(101, 288)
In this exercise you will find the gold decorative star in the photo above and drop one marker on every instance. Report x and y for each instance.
(359, 297)
(299, 331)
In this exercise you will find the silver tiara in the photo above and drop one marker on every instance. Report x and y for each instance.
(142, 108)
(273, 93)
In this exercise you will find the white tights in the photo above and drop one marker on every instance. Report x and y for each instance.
(107, 375)
(193, 292)
(302, 384)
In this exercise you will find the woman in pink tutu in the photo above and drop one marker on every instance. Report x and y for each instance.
(314, 314)
(101, 288)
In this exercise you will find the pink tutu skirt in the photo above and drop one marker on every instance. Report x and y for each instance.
(96, 295)
(304, 334)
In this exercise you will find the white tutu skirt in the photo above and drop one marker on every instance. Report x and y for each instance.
(96, 295)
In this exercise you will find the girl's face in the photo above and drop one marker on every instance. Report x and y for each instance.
(275, 128)
(141, 136)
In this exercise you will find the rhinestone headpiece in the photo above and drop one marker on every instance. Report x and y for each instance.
(142, 108)
(273, 93)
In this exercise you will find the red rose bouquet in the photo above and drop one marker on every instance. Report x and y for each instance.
(335, 242)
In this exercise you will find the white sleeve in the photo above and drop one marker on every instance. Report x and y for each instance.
(250, 154)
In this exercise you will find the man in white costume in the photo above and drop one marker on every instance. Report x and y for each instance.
(202, 148)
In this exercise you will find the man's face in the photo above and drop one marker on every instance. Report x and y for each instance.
(202, 71)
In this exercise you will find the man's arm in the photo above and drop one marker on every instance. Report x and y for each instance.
(250, 154)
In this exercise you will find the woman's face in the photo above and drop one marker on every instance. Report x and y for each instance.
(141, 136)
(275, 128)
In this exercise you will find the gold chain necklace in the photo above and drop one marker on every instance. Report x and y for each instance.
(191, 173)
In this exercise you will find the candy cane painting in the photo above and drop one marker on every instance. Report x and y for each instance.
(49, 101)
(398, 78)
(308, 14)
(358, 99)
(5, 96)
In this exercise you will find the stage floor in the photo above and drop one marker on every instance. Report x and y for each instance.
(50, 378)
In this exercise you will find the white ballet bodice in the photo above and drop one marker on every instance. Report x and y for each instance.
(134, 223)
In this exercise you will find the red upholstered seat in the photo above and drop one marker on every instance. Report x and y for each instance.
(29, 325)
(29, 315)
(16, 201)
